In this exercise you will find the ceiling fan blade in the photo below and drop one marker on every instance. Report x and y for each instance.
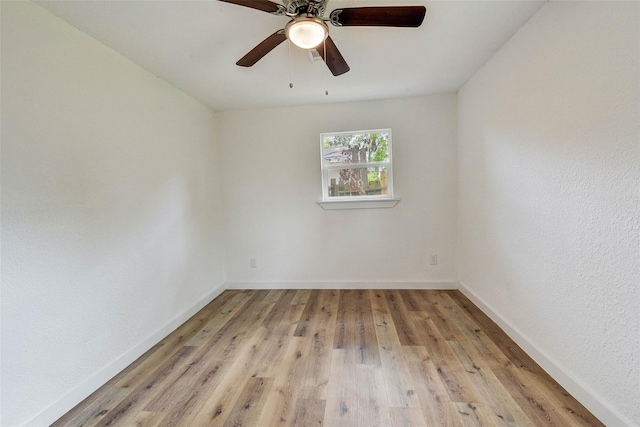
(262, 49)
(333, 59)
(391, 16)
(263, 5)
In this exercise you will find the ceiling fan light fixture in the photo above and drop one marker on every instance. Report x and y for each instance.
(306, 32)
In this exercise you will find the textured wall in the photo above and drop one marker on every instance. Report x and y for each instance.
(110, 227)
(272, 181)
(549, 160)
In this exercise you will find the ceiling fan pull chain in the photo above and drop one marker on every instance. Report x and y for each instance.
(326, 69)
(290, 66)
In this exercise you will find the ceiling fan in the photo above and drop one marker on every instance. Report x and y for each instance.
(308, 28)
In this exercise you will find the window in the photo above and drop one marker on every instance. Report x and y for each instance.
(357, 166)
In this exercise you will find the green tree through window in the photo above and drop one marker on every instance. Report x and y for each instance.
(356, 163)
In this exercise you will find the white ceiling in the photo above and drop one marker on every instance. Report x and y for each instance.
(194, 45)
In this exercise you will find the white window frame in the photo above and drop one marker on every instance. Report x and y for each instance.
(357, 202)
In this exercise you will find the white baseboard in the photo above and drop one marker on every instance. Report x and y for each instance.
(77, 395)
(604, 411)
(342, 285)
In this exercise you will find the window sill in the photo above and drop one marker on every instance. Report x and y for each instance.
(358, 204)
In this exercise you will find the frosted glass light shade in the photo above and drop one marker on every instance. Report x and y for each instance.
(306, 33)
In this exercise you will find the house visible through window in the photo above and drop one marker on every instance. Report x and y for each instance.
(356, 165)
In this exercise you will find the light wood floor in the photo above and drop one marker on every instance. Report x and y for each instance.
(334, 358)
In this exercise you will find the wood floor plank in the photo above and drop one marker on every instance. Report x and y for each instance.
(216, 320)
(471, 332)
(430, 336)
(274, 295)
(407, 417)
(226, 342)
(320, 312)
(345, 335)
(401, 319)
(531, 396)
(281, 402)
(94, 408)
(319, 332)
(524, 363)
(188, 393)
(473, 415)
(418, 300)
(294, 314)
(371, 397)
(430, 391)
(281, 306)
(446, 326)
(514, 353)
(220, 400)
(341, 408)
(334, 358)
(273, 346)
(458, 385)
(366, 338)
(309, 413)
(301, 297)
(246, 411)
(410, 301)
(354, 309)
(182, 336)
(150, 419)
(400, 390)
(314, 383)
(127, 410)
(494, 395)
(378, 302)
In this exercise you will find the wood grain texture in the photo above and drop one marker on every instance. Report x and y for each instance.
(334, 358)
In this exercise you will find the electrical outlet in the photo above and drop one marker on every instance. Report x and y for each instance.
(433, 260)
(253, 263)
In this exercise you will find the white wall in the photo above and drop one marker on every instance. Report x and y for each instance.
(272, 182)
(111, 231)
(549, 205)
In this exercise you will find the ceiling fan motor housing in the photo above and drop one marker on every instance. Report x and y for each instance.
(309, 7)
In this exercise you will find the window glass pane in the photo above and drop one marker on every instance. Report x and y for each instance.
(354, 148)
(352, 182)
